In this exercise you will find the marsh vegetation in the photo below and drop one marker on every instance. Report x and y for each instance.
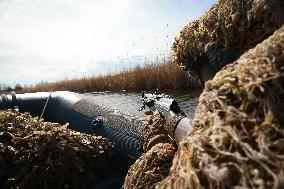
(165, 75)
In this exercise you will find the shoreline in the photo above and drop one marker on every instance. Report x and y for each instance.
(163, 76)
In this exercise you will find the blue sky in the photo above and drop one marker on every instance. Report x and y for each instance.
(48, 40)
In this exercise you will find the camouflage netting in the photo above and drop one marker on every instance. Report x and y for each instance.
(226, 31)
(37, 154)
(237, 139)
(154, 165)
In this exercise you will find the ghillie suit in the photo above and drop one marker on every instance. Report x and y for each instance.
(37, 154)
(153, 165)
(237, 139)
(226, 31)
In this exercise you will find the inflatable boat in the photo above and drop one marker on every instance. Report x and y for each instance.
(84, 114)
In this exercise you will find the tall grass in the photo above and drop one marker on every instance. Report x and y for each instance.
(150, 76)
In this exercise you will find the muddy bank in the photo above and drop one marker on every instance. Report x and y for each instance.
(237, 135)
(226, 31)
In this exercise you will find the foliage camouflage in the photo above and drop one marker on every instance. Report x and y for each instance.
(37, 154)
(226, 31)
(153, 165)
(237, 139)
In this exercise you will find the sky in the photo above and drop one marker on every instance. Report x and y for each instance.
(50, 40)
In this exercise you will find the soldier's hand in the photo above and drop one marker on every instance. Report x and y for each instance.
(149, 119)
(152, 118)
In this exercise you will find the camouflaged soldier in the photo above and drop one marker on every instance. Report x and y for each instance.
(159, 147)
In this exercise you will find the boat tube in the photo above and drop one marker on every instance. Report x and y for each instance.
(84, 114)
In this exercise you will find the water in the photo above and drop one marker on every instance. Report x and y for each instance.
(131, 101)
(123, 123)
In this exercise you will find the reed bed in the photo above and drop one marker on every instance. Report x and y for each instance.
(147, 77)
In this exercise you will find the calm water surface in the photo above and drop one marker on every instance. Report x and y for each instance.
(131, 101)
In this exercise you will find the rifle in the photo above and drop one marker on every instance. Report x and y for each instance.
(168, 108)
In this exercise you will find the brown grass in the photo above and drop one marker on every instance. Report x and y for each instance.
(148, 77)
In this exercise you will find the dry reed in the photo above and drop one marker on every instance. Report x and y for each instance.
(37, 154)
(226, 31)
(148, 77)
(237, 137)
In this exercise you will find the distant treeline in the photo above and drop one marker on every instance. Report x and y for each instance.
(6, 88)
(166, 75)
